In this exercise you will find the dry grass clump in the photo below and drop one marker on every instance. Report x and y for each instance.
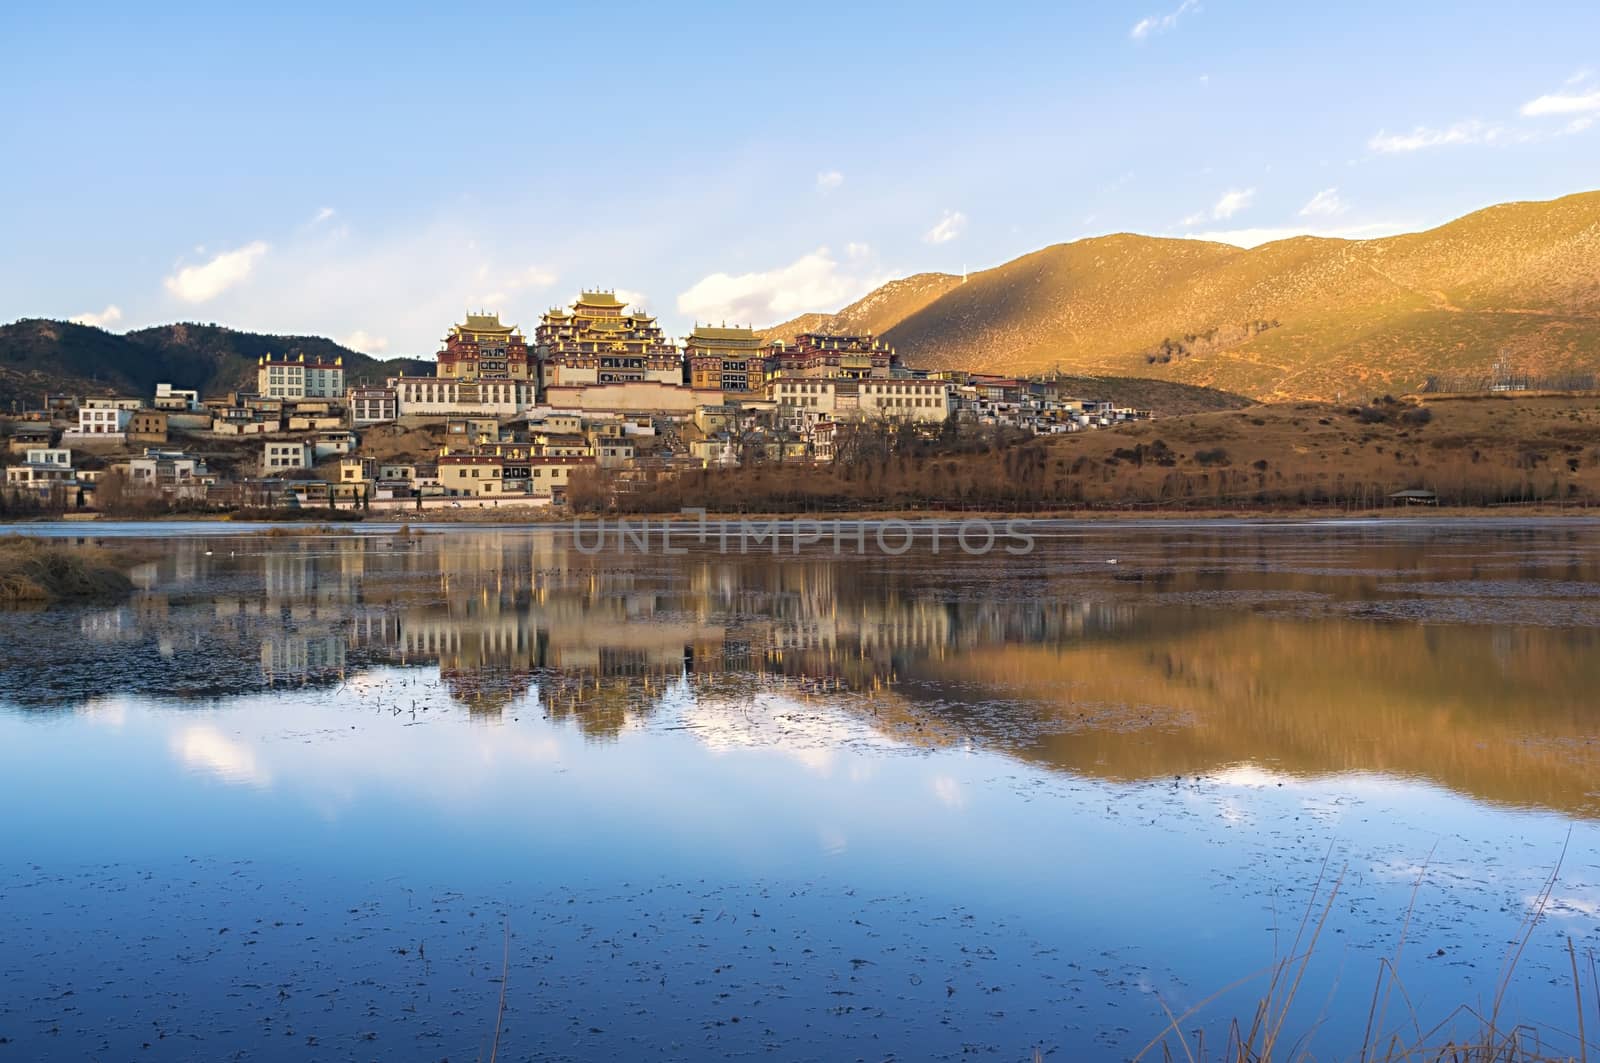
(38, 570)
(1467, 1035)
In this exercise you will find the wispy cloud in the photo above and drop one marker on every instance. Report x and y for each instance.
(533, 277)
(104, 319)
(363, 341)
(828, 180)
(199, 284)
(322, 215)
(1152, 24)
(1563, 103)
(1232, 202)
(1421, 137)
(813, 282)
(1325, 204)
(946, 229)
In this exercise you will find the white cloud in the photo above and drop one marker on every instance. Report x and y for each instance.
(104, 319)
(1563, 103)
(1195, 219)
(1162, 23)
(322, 215)
(813, 282)
(636, 300)
(199, 284)
(533, 277)
(1468, 132)
(948, 228)
(1578, 125)
(1232, 202)
(855, 250)
(1267, 234)
(1325, 204)
(363, 341)
(1580, 77)
(828, 180)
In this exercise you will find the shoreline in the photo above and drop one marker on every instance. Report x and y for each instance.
(539, 517)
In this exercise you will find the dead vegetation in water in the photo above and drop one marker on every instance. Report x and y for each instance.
(1468, 1034)
(294, 531)
(38, 571)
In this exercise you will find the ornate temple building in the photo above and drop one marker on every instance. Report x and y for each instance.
(484, 349)
(725, 359)
(836, 357)
(600, 342)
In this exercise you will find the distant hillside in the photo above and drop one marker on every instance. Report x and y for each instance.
(1299, 318)
(877, 312)
(39, 356)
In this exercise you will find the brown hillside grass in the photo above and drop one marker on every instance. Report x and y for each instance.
(876, 312)
(1353, 316)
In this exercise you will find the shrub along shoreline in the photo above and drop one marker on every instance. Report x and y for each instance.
(38, 571)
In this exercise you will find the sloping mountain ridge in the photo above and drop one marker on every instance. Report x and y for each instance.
(39, 356)
(1338, 316)
(876, 312)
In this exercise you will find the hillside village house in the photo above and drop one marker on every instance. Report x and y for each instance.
(613, 453)
(296, 377)
(148, 426)
(473, 475)
(44, 466)
(171, 472)
(26, 437)
(373, 405)
(107, 421)
(280, 457)
(357, 470)
(548, 476)
(332, 444)
(176, 400)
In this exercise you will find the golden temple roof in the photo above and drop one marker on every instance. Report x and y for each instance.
(723, 334)
(485, 324)
(606, 299)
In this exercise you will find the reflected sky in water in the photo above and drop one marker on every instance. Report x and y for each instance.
(287, 797)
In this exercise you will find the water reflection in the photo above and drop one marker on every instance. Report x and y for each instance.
(827, 807)
(1467, 658)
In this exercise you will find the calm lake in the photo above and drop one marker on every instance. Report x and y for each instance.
(309, 796)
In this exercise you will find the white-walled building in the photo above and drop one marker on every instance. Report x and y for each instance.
(914, 400)
(45, 465)
(437, 396)
(296, 378)
(894, 398)
(107, 422)
(282, 457)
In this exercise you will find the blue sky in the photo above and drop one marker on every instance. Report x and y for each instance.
(368, 172)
